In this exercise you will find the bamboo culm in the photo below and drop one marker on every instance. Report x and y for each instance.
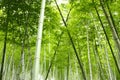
(73, 45)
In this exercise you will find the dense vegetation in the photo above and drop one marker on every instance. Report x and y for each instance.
(80, 40)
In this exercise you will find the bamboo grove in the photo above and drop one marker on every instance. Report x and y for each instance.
(59, 40)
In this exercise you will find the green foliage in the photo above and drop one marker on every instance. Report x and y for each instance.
(22, 17)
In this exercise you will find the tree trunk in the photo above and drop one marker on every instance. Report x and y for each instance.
(73, 45)
(51, 63)
(88, 47)
(38, 43)
(68, 62)
(98, 62)
(108, 64)
(5, 42)
(22, 61)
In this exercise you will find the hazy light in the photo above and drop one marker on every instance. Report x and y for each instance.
(40, 77)
(62, 1)
(52, 79)
(115, 13)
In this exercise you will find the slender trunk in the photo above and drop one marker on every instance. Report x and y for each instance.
(22, 62)
(13, 73)
(115, 30)
(98, 62)
(18, 71)
(4, 48)
(73, 45)
(108, 64)
(39, 40)
(53, 74)
(6, 67)
(51, 63)
(23, 50)
(89, 60)
(26, 40)
(29, 62)
(68, 66)
(44, 61)
(10, 62)
(114, 74)
(112, 20)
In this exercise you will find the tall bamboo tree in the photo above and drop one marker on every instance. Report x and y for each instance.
(38, 43)
(5, 39)
(73, 45)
